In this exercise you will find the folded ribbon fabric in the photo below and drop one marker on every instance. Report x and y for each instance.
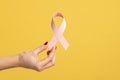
(58, 32)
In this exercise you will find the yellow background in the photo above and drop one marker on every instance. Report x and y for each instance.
(93, 31)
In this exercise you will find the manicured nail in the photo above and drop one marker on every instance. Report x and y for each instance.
(48, 52)
(45, 43)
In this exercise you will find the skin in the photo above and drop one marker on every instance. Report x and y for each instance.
(29, 59)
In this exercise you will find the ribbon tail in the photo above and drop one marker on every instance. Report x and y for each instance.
(52, 43)
(64, 42)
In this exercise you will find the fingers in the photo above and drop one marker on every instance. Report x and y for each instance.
(50, 51)
(41, 48)
(49, 58)
(51, 63)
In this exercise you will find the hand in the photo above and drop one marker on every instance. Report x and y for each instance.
(29, 59)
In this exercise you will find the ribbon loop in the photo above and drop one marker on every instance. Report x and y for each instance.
(58, 33)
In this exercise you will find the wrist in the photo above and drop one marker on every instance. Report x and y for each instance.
(16, 61)
(9, 62)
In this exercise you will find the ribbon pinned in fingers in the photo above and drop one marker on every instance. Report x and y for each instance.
(58, 32)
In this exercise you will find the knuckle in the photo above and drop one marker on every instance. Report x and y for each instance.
(39, 69)
(53, 63)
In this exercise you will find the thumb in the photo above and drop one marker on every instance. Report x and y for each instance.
(41, 48)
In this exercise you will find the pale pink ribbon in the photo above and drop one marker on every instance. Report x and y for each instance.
(58, 32)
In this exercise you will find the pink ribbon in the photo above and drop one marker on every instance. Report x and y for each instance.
(58, 33)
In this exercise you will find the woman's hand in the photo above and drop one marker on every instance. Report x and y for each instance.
(30, 60)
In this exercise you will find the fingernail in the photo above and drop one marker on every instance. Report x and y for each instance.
(48, 52)
(45, 43)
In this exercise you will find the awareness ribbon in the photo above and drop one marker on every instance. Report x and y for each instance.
(58, 32)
